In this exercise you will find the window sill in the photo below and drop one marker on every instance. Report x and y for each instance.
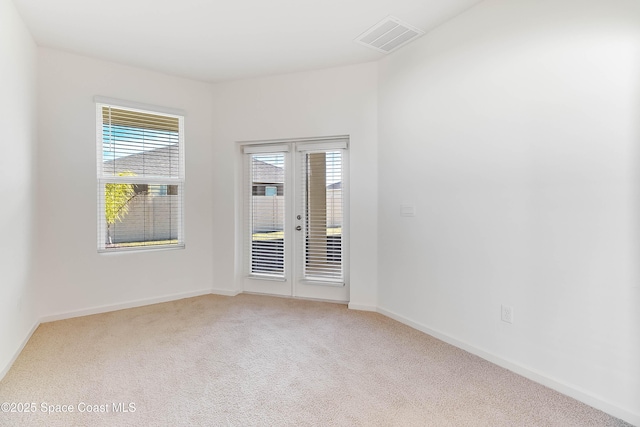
(150, 248)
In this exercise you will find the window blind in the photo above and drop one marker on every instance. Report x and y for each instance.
(140, 178)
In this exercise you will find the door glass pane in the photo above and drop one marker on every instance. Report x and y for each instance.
(323, 207)
(267, 214)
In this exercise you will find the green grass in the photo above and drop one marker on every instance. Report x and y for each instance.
(275, 235)
(147, 243)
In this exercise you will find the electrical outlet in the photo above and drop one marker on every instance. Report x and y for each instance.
(507, 314)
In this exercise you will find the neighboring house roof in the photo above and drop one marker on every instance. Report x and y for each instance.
(159, 162)
(164, 162)
(266, 172)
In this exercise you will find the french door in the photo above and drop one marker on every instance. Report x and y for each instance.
(295, 218)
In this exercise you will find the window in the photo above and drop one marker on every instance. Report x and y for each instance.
(140, 162)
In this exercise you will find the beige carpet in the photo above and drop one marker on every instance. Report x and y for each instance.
(263, 361)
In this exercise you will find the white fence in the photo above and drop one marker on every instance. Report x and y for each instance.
(268, 211)
(150, 218)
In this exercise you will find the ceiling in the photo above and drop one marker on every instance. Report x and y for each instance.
(213, 40)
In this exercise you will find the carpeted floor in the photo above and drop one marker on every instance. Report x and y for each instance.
(262, 361)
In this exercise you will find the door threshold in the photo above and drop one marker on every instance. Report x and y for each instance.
(264, 294)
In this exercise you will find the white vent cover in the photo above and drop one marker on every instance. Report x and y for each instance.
(388, 35)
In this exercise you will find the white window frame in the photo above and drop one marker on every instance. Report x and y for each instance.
(103, 179)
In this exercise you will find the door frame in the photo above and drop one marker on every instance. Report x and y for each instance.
(292, 285)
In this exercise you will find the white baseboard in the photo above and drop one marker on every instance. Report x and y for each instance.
(362, 307)
(225, 292)
(121, 306)
(26, 339)
(531, 374)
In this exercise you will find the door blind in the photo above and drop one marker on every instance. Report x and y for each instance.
(266, 213)
(323, 205)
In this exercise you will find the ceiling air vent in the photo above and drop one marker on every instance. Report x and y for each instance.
(388, 35)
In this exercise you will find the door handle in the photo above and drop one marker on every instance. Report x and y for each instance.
(299, 228)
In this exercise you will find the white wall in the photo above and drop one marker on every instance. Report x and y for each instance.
(18, 61)
(514, 130)
(338, 101)
(72, 275)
